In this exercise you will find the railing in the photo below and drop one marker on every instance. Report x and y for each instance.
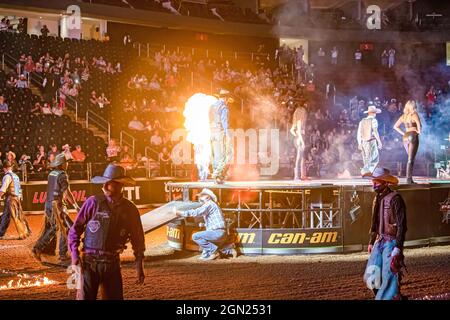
(99, 122)
(128, 140)
(73, 104)
(207, 53)
(151, 153)
(9, 61)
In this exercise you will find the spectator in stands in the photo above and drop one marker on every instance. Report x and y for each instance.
(391, 58)
(22, 82)
(3, 26)
(22, 26)
(45, 31)
(11, 157)
(148, 126)
(164, 162)
(57, 109)
(78, 155)
(25, 164)
(29, 67)
(141, 161)
(135, 124)
(334, 55)
(65, 149)
(118, 67)
(125, 152)
(156, 140)
(46, 109)
(358, 56)
(384, 58)
(85, 74)
(3, 105)
(430, 101)
(11, 82)
(127, 161)
(40, 162)
(102, 101)
(93, 99)
(53, 151)
(112, 151)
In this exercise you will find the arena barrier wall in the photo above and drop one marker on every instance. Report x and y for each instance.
(428, 221)
(146, 193)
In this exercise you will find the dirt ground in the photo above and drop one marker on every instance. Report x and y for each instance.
(180, 275)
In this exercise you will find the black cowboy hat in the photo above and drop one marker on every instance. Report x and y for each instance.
(60, 159)
(116, 173)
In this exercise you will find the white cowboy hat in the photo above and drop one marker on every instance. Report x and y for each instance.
(372, 109)
(12, 153)
(209, 193)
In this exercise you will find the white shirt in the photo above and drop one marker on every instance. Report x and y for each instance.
(360, 128)
(6, 181)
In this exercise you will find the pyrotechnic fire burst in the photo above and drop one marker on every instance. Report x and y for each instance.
(196, 113)
(26, 281)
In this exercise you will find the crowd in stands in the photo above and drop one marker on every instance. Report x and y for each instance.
(148, 101)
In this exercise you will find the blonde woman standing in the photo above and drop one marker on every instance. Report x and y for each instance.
(411, 120)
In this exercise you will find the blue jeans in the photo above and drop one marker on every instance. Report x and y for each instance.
(370, 156)
(210, 240)
(378, 275)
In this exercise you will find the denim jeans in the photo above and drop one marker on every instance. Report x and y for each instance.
(210, 240)
(222, 150)
(378, 275)
(370, 156)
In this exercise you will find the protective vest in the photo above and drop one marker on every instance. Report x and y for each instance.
(14, 188)
(387, 222)
(54, 191)
(106, 231)
(366, 129)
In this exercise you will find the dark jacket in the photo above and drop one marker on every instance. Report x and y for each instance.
(398, 209)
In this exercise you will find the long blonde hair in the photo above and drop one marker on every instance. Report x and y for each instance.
(409, 110)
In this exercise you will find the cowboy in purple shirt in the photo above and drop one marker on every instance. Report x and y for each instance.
(108, 222)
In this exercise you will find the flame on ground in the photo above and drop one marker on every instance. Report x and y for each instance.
(27, 281)
(196, 114)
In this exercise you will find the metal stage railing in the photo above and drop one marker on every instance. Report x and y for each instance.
(301, 207)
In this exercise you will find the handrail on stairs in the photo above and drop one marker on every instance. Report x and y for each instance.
(98, 121)
(130, 143)
(73, 103)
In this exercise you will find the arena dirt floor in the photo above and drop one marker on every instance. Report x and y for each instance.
(180, 275)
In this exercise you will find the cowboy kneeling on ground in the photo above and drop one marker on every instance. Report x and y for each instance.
(212, 241)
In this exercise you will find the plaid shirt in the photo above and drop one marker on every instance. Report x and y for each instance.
(211, 213)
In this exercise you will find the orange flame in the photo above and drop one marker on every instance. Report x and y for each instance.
(27, 281)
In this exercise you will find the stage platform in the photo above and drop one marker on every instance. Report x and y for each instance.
(313, 216)
(293, 184)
